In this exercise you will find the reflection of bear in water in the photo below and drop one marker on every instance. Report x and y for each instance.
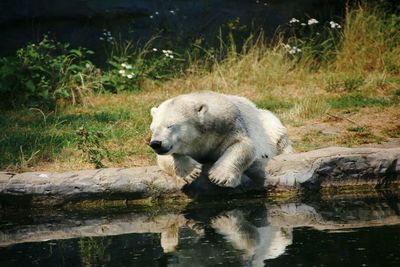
(238, 237)
(257, 243)
(229, 132)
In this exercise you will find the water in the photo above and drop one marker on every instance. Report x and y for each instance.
(352, 232)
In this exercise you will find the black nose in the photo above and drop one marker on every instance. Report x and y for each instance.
(156, 145)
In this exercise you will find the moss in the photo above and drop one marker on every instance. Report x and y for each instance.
(95, 204)
(282, 195)
(357, 190)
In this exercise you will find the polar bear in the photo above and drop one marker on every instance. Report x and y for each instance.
(227, 131)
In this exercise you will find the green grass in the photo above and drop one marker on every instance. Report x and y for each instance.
(354, 101)
(274, 105)
(359, 101)
(28, 136)
(345, 83)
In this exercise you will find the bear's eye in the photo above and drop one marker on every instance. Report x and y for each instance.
(171, 126)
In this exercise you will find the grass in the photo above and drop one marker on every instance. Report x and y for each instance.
(346, 94)
(29, 137)
(359, 100)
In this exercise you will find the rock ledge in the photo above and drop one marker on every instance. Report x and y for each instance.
(333, 168)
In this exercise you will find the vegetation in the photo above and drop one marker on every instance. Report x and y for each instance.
(42, 74)
(333, 83)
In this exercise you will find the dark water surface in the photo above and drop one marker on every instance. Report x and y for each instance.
(352, 232)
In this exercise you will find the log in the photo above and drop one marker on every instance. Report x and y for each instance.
(333, 169)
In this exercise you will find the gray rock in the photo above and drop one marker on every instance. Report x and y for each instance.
(330, 168)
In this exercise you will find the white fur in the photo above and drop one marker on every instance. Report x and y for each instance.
(228, 131)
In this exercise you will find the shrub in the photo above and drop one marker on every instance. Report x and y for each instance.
(91, 144)
(43, 74)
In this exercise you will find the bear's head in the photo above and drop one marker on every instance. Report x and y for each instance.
(176, 125)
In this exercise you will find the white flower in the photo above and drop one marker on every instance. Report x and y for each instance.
(128, 67)
(167, 53)
(335, 25)
(123, 65)
(303, 24)
(151, 16)
(156, 13)
(292, 49)
(171, 56)
(122, 72)
(172, 12)
(155, 49)
(101, 39)
(129, 76)
(294, 20)
(312, 21)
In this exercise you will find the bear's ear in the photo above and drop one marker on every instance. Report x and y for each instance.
(153, 111)
(201, 108)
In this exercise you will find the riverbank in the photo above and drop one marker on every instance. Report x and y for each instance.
(344, 94)
(328, 172)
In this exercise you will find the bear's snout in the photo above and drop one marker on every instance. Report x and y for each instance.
(158, 147)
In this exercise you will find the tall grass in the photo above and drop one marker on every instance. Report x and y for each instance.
(370, 42)
(363, 55)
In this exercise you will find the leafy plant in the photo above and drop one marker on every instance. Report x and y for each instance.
(130, 65)
(346, 83)
(91, 144)
(45, 73)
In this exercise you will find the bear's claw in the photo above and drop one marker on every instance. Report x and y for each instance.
(224, 178)
(193, 175)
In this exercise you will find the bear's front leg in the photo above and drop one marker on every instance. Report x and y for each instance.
(228, 169)
(184, 168)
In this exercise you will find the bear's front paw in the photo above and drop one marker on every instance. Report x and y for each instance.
(193, 175)
(224, 178)
(189, 176)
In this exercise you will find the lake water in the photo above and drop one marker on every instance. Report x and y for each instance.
(340, 232)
